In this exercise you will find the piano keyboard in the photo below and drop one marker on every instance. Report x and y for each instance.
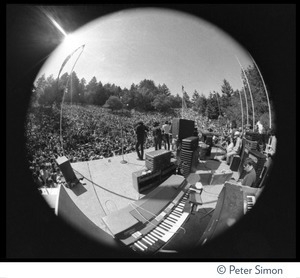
(149, 241)
(249, 203)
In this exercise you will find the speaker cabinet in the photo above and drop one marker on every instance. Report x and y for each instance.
(143, 181)
(235, 161)
(182, 128)
(157, 160)
(190, 143)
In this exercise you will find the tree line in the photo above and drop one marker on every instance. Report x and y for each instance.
(224, 105)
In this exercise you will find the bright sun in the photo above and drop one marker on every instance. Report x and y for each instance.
(71, 42)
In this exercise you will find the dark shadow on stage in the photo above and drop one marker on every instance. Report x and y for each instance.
(79, 189)
(188, 238)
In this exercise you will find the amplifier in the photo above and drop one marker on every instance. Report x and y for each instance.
(220, 176)
(252, 136)
(144, 180)
(252, 145)
(182, 128)
(167, 172)
(203, 150)
(208, 141)
(190, 143)
(235, 163)
(158, 159)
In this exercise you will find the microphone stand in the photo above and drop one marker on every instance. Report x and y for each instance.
(122, 161)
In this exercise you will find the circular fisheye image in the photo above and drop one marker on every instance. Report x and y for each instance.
(150, 130)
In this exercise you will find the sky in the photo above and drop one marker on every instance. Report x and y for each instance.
(168, 47)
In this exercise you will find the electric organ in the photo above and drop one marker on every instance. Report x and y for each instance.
(147, 225)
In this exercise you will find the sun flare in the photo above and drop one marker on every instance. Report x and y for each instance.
(71, 42)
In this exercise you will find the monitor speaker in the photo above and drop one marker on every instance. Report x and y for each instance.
(66, 169)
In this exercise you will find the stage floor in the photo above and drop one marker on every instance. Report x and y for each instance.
(106, 184)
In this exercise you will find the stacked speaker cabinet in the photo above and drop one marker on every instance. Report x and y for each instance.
(189, 155)
(190, 143)
(186, 158)
(182, 128)
(158, 160)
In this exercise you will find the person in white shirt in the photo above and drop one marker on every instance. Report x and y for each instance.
(271, 146)
(237, 147)
(166, 134)
(260, 127)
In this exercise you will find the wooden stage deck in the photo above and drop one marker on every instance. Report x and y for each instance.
(106, 185)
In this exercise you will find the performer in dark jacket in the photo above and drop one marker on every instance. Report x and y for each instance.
(140, 131)
(157, 135)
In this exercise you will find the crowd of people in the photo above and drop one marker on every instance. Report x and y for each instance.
(83, 133)
(86, 133)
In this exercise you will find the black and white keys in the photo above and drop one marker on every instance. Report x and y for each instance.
(250, 201)
(164, 231)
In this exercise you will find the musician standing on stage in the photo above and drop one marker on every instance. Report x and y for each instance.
(166, 131)
(250, 177)
(140, 131)
(157, 135)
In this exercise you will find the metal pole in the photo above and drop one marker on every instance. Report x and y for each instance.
(218, 106)
(60, 124)
(218, 103)
(270, 117)
(242, 111)
(246, 103)
(182, 102)
(249, 91)
(122, 161)
(61, 68)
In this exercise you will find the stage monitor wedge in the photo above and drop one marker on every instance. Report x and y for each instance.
(66, 169)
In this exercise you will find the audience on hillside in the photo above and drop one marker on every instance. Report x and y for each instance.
(90, 132)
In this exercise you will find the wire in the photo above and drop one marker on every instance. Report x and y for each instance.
(95, 190)
(210, 192)
(153, 215)
(103, 187)
(207, 214)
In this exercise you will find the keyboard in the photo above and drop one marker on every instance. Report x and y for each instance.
(163, 227)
